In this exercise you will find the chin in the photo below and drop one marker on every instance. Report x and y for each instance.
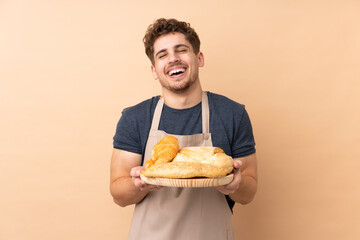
(180, 89)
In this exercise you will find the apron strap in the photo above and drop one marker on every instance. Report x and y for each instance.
(204, 109)
(205, 113)
(157, 114)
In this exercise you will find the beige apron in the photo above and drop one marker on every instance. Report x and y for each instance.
(182, 213)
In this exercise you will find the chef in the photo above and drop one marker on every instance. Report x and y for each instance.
(196, 118)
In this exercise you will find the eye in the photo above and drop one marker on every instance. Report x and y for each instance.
(162, 55)
(182, 50)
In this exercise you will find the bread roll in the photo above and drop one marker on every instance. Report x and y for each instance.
(163, 152)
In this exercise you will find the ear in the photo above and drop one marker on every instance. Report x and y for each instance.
(201, 61)
(154, 72)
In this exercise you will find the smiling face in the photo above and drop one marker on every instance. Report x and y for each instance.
(176, 66)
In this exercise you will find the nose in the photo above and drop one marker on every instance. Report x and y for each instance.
(174, 57)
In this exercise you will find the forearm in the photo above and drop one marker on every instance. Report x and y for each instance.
(122, 184)
(246, 191)
(125, 193)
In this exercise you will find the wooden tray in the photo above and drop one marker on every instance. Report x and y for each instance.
(190, 183)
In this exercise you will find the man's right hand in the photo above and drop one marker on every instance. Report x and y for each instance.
(139, 183)
(126, 187)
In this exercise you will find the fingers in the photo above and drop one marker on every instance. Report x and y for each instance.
(149, 187)
(139, 183)
(237, 164)
(143, 186)
(135, 171)
(229, 188)
(235, 183)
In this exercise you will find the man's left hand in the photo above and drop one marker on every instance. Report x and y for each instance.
(234, 184)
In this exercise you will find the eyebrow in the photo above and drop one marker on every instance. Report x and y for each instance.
(176, 47)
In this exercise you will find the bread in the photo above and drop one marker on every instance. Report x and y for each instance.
(189, 162)
(163, 152)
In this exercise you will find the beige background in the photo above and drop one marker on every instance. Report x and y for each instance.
(68, 68)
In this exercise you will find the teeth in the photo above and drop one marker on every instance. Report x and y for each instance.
(176, 71)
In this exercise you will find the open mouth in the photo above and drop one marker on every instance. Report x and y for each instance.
(176, 72)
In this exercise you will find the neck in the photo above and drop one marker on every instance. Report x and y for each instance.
(187, 99)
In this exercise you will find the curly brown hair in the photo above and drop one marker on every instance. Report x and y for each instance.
(164, 26)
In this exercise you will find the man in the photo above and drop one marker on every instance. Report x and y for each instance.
(196, 118)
